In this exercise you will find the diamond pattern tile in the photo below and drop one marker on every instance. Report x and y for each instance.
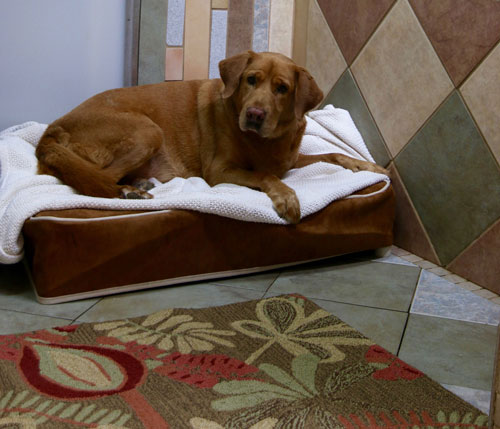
(345, 94)
(443, 168)
(480, 262)
(323, 60)
(409, 233)
(400, 76)
(353, 21)
(481, 92)
(461, 31)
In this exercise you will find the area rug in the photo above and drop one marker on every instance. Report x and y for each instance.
(281, 362)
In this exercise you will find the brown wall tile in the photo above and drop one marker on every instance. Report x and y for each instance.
(239, 26)
(461, 31)
(409, 233)
(353, 21)
(300, 32)
(480, 262)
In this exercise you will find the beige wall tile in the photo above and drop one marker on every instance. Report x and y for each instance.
(173, 63)
(220, 4)
(323, 57)
(281, 26)
(400, 76)
(482, 95)
(196, 39)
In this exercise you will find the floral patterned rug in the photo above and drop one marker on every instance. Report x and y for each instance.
(281, 362)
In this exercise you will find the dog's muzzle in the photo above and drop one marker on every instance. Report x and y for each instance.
(255, 118)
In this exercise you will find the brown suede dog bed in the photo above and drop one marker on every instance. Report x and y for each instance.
(81, 253)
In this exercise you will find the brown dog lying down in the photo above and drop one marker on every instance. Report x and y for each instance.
(244, 128)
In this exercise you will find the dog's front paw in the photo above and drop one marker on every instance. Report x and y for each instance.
(132, 193)
(286, 204)
(358, 165)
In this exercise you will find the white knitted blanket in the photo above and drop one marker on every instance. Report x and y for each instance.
(23, 193)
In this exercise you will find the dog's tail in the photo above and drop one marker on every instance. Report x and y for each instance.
(55, 158)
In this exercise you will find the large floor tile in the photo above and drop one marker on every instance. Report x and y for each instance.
(259, 282)
(146, 302)
(17, 294)
(436, 296)
(384, 327)
(14, 322)
(373, 284)
(479, 398)
(450, 351)
(451, 177)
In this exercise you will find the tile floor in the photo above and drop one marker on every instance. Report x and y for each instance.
(440, 327)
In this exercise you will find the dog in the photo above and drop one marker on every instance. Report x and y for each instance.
(244, 128)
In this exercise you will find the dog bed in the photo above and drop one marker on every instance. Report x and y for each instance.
(78, 246)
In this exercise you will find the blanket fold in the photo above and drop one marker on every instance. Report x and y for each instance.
(23, 193)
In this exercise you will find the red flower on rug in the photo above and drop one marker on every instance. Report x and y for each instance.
(394, 368)
(205, 370)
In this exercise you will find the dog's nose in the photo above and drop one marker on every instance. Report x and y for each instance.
(256, 115)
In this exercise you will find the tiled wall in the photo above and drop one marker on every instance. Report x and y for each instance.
(200, 33)
(421, 79)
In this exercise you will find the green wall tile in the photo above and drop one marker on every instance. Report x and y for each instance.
(345, 94)
(153, 30)
(451, 178)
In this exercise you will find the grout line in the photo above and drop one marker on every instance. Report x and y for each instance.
(381, 21)
(92, 306)
(356, 305)
(269, 287)
(35, 314)
(409, 312)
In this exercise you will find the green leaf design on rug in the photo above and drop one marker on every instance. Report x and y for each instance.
(248, 393)
(167, 331)
(283, 321)
(414, 419)
(25, 409)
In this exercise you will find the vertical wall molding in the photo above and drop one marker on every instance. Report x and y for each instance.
(131, 63)
(300, 21)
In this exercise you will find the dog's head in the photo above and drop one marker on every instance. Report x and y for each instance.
(269, 91)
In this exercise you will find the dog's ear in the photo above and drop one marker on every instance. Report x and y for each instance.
(231, 70)
(307, 93)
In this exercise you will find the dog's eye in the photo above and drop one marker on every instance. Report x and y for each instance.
(282, 89)
(251, 80)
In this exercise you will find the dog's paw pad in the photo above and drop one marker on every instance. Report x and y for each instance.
(135, 194)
